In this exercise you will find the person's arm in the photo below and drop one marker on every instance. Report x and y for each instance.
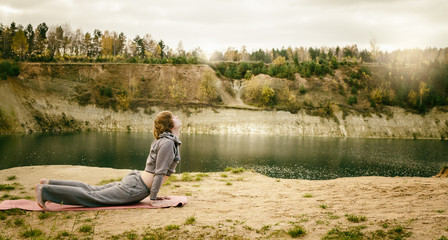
(165, 157)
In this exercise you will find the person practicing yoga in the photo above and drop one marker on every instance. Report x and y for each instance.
(163, 158)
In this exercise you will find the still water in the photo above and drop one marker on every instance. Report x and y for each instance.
(275, 156)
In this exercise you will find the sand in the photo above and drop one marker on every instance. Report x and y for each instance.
(250, 205)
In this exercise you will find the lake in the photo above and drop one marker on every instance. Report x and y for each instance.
(276, 156)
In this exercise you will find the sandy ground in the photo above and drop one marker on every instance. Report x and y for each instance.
(251, 205)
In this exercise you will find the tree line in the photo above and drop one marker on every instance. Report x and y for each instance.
(60, 43)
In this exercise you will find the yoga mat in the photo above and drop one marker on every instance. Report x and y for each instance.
(174, 201)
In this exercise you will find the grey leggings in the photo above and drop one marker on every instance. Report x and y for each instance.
(129, 190)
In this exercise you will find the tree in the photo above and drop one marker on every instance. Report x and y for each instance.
(41, 37)
(267, 95)
(279, 61)
(19, 44)
(96, 42)
(180, 50)
(207, 88)
(29, 34)
(374, 48)
(77, 43)
(161, 49)
(140, 46)
(412, 97)
(107, 44)
(87, 45)
(52, 42)
(216, 56)
(422, 90)
(245, 56)
(59, 39)
(232, 55)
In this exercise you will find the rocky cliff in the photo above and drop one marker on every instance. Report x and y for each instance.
(126, 97)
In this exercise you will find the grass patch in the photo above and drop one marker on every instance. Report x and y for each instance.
(172, 227)
(440, 210)
(19, 222)
(234, 170)
(308, 195)
(264, 229)
(224, 175)
(323, 206)
(45, 215)
(7, 187)
(297, 231)
(351, 233)
(191, 220)
(188, 177)
(398, 232)
(332, 216)
(10, 178)
(228, 183)
(62, 234)
(32, 233)
(130, 235)
(355, 218)
(86, 228)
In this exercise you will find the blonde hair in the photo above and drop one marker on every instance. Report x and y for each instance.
(162, 123)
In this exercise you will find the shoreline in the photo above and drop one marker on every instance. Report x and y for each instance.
(249, 205)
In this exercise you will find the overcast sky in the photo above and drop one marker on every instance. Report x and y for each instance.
(218, 24)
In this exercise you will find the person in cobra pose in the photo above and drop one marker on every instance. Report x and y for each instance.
(162, 160)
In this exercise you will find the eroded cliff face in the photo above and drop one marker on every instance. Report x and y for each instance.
(45, 97)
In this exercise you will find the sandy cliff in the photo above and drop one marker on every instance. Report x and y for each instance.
(49, 97)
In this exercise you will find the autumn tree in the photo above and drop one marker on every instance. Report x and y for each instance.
(232, 55)
(87, 45)
(207, 88)
(107, 43)
(19, 44)
(279, 61)
(422, 90)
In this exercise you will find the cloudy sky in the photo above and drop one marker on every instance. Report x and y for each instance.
(218, 24)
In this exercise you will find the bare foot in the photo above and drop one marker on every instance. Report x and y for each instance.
(40, 202)
(44, 181)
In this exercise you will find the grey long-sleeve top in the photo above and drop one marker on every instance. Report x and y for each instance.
(162, 160)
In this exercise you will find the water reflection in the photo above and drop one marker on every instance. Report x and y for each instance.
(276, 156)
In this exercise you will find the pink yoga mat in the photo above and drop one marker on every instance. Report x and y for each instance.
(174, 201)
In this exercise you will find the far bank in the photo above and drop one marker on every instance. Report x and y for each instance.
(102, 97)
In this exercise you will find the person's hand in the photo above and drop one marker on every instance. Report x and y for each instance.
(156, 203)
(163, 198)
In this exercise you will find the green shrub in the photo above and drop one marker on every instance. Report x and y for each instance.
(352, 100)
(190, 220)
(86, 228)
(350, 233)
(355, 218)
(297, 231)
(32, 233)
(172, 227)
